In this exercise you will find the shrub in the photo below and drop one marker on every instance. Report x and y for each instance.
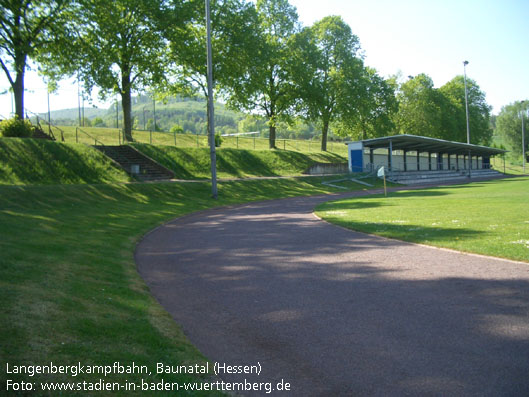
(218, 140)
(177, 129)
(17, 128)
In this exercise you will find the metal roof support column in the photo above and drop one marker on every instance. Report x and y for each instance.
(429, 161)
(390, 155)
(469, 164)
(418, 161)
(371, 157)
(449, 162)
(405, 159)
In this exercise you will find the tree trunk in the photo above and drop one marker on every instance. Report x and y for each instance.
(272, 126)
(18, 86)
(272, 137)
(324, 132)
(126, 102)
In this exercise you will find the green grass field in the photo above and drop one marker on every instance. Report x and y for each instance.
(68, 283)
(490, 218)
(69, 287)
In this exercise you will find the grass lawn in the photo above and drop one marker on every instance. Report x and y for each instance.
(69, 287)
(111, 136)
(37, 161)
(194, 163)
(490, 218)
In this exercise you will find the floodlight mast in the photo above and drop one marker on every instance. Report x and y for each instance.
(523, 137)
(211, 118)
(465, 63)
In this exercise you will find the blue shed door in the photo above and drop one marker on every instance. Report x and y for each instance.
(357, 160)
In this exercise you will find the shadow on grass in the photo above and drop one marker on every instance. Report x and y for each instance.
(409, 232)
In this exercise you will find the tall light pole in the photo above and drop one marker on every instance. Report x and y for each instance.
(210, 107)
(154, 112)
(523, 138)
(465, 63)
(79, 99)
(49, 112)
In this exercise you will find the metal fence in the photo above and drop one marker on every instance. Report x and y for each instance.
(114, 136)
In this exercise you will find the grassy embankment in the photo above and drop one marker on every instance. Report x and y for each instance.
(490, 218)
(69, 287)
(28, 161)
(35, 161)
(193, 163)
(111, 136)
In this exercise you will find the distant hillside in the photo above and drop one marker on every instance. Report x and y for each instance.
(73, 114)
(187, 114)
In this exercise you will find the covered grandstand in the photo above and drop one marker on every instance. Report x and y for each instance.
(413, 158)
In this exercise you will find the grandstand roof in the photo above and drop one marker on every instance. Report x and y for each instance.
(426, 144)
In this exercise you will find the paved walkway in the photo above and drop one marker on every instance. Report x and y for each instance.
(335, 312)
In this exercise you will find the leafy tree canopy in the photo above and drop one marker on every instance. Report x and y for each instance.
(267, 88)
(233, 40)
(440, 112)
(116, 46)
(27, 29)
(509, 126)
(478, 111)
(327, 72)
(374, 109)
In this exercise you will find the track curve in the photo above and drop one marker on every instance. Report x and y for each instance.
(335, 312)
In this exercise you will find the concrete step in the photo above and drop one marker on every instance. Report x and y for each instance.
(136, 163)
(38, 133)
(419, 177)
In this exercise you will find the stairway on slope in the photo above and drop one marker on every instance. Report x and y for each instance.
(136, 163)
(38, 133)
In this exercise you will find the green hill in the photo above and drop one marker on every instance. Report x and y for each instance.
(192, 163)
(34, 161)
(187, 112)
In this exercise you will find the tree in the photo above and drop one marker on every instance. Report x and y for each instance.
(251, 123)
(233, 40)
(268, 89)
(478, 111)
(422, 109)
(509, 126)
(116, 46)
(327, 73)
(374, 110)
(26, 29)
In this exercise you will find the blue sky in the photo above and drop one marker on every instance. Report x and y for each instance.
(435, 37)
(407, 37)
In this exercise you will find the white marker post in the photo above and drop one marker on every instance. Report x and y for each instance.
(381, 173)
